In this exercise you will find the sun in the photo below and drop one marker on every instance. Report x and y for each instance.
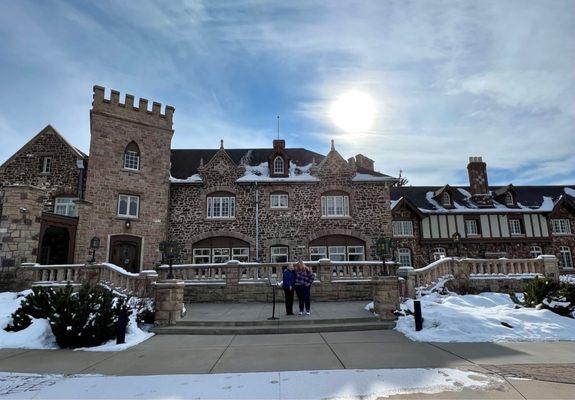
(353, 111)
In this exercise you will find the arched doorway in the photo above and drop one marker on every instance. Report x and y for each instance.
(55, 246)
(125, 252)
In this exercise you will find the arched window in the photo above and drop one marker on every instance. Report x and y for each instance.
(535, 251)
(566, 258)
(279, 168)
(446, 199)
(404, 257)
(132, 156)
(438, 253)
(509, 199)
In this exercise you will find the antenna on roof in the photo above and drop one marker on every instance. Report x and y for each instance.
(278, 127)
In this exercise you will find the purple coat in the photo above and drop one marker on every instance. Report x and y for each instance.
(304, 278)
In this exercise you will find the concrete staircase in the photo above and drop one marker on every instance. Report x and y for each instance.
(292, 325)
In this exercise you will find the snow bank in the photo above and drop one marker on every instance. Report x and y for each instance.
(39, 334)
(567, 278)
(479, 318)
(295, 385)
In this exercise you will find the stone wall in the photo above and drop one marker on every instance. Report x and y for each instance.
(479, 285)
(20, 224)
(113, 126)
(295, 226)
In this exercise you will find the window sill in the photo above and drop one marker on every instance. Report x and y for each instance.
(279, 208)
(339, 217)
(561, 234)
(135, 171)
(126, 217)
(404, 236)
(517, 235)
(220, 219)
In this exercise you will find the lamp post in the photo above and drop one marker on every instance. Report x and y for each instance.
(456, 237)
(169, 251)
(94, 245)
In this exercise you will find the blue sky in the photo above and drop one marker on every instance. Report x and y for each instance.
(450, 79)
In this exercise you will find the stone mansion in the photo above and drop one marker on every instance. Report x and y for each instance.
(277, 204)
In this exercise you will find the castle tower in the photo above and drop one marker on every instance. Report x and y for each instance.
(127, 186)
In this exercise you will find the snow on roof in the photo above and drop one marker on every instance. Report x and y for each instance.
(196, 178)
(570, 192)
(261, 173)
(372, 178)
(393, 203)
(546, 206)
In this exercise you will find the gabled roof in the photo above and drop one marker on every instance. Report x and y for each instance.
(529, 199)
(47, 128)
(502, 190)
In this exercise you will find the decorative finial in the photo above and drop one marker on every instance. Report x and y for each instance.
(332, 145)
(221, 144)
(201, 161)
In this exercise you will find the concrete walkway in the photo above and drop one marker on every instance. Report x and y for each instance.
(176, 354)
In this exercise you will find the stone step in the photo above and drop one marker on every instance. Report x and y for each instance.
(296, 320)
(271, 329)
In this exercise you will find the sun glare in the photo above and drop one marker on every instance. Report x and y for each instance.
(353, 111)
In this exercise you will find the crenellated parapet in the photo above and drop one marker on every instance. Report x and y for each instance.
(127, 110)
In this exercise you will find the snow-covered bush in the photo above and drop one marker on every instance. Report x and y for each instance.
(144, 308)
(77, 319)
(558, 297)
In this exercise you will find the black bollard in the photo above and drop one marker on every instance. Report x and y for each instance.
(273, 317)
(418, 317)
(121, 326)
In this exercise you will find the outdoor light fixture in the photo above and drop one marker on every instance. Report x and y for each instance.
(169, 251)
(94, 245)
(128, 224)
(456, 237)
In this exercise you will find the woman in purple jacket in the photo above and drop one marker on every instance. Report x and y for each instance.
(303, 279)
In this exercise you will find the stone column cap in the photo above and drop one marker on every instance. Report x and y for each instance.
(166, 283)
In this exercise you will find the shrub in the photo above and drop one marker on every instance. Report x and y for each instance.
(538, 290)
(83, 319)
(144, 310)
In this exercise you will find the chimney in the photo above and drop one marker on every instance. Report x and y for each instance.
(279, 144)
(364, 162)
(478, 184)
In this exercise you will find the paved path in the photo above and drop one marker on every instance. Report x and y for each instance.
(174, 354)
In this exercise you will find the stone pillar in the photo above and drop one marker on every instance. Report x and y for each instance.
(232, 269)
(169, 299)
(145, 282)
(385, 296)
(408, 274)
(551, 267)
(324, 270)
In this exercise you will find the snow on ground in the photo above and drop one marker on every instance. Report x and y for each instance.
(479, 318)
(567, 278)
(39, 334)
(333, 384)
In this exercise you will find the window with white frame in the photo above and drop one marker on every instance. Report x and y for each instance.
(404, 257)
(202, 256)
(317, 253)
(560, 227)
(65, 206)
(402, 228)
(46, 165)
(220, 255)
(336, 253)
(132, 156)
(535, 251)
(334, 206)
(279, 254)
(355, 253)
(279, 167)
(128, 206)
(515, 227)
(439, 253)
(221, 207)
(471, 227)
(566, 258)
(509, 199)
(279, 200)
(446, 199)
(241, 254)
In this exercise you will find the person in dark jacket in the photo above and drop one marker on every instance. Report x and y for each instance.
(288, 284)
(303, 279)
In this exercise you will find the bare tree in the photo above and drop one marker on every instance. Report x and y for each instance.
(402, 180)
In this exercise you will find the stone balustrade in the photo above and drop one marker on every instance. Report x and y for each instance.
(464, 270)
(108, 274)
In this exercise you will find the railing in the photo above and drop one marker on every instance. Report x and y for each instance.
(324, 269)
(470, 268)
(108, 274)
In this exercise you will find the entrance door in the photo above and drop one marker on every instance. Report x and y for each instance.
(125, 252)
(54, 248)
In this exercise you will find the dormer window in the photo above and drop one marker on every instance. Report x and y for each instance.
(279, 166)
(509, 200)
(446, 199)
(132, 157)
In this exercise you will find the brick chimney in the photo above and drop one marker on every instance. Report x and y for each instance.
(364, 162)
(478, 184)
